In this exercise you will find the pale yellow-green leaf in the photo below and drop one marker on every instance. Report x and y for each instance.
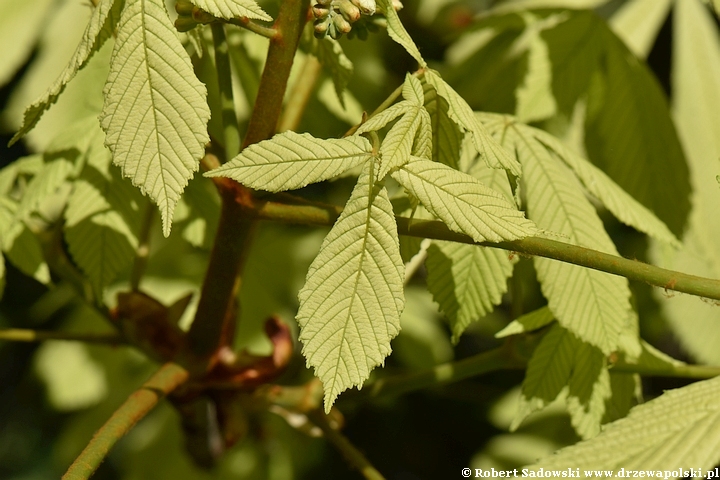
(412, 90)
(155, 113)
(680, 429)
(386, 116)
(233, 8)
(461, 113)
(99, 29)
(463, 203)
(446, 134)
(535, 100)
(291, 160)
(397, 145)
(351, 303)
(330, 54)
(19, 244)
(638, 22)
(527, 323)
(593, 305)
(397, 31)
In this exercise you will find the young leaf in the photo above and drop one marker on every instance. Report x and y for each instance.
(100, 28)
(413, 90)
(229, 9)
(397, 31)
(593, 305)
(156, 119)
(463, 203)
(467, 281)
(102, 219)
(386, 116)
(461, 113)
(330, 54)
(397, 145)
(446, 135)
(638, 22)
(351, 303)
(527, 323)
(677, 430)
(290, 160)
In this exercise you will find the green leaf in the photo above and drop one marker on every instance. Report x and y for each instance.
(467, 281)
(203, 202)
(20, 23)
(630, 136)
(102, 219)
(535, 100)
(229, 9)
(56, 169)
(412, 90)
(625, 388)
(461, 113)
(290, 160)
(625, 208)
(592, 304)
(529, 322)
(386, 116)
(351, 303)
(677, 430)
(463, 203)
(330, 54)
(398, 144)
(696, 100)
(397, 31)
(638, 22)
(99, 29)
(156, 119)
(20, 246)
(2, 275)
(446, 135)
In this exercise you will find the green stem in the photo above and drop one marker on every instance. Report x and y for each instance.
(139, 404)
(26, 335)
(321, 214)
(231, 131)
(300, 94)
(353, 456)
(698, 372)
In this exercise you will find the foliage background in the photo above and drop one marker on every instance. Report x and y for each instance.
(53, 396)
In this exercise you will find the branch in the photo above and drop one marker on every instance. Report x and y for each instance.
(164, 381)
(311, 213)
(244, 22)
(354, 456)
(25, 335)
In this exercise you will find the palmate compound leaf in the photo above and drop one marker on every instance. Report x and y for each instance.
(463, 202)
(593, 305)
(446, 134)
(233, 8)
(461, 113)
(680, 429)
(155, 113)
(352, 299)
(398, 144)
(291, 160)
(101, 27)
(467, 281)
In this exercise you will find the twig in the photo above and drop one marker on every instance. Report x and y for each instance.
(244, 22)
(231, 131)
(353, 456)
(26, 335)
(300, 95)
(323, 214)
(164, 381)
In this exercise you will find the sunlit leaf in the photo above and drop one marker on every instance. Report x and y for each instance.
(397, 145)
(638, 22)
(290, 160)
(446, 135)
(386, 116)
(527, 322)
(351, 303)
(233, 8)
(397, 31)
(20, 23)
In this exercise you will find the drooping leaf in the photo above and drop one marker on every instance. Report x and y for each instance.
(624, 387)
(101, 27)
(290, 160)
(535, 100)
(397, 31)
(463, 203)
(677, 430)
(696, 98)
(351, 303)
(233, 8)
(467, 281)
(102, 219)
(19, 244)
(56, 169)
(446, 135)
(397, 145)
(330, 54)
(461, 113)
(156, 119)
(620, 203)
(593, 305)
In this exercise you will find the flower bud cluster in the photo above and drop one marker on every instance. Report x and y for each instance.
(190, 16)
(352, 17)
